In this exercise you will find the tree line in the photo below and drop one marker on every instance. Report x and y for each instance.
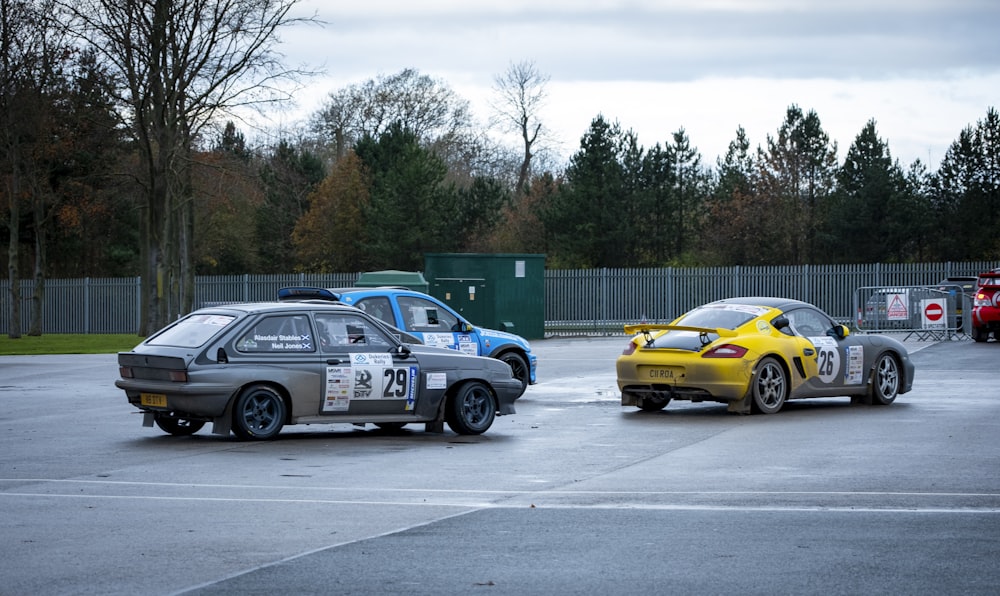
(121, 155)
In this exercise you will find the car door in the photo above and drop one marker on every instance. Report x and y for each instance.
(829, 370)
(437, 325)
(280, 348)
(363, 375)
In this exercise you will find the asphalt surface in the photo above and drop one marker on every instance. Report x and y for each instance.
(572, 495)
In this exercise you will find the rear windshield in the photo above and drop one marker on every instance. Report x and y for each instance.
(989, 281)
(724, 316)
(193, 331)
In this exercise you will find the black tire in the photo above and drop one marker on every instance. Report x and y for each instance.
(471, 410)
(885, 380)
(259, 413)
(519, 367)
(653, 404)
(180, 427)
(770, 386)
(979, 334)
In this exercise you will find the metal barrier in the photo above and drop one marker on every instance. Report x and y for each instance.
(923, 312)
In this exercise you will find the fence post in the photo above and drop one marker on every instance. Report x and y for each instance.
(86, 305)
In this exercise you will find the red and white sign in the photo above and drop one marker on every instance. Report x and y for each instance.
(932, 312)
(896, 309)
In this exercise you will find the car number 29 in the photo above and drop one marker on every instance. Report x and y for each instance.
(396, 383)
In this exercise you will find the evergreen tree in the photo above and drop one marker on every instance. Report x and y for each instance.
(288, 175)
(411, 210)
(585, 220)
(869, 205)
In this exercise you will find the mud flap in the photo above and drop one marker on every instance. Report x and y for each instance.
(741, 406)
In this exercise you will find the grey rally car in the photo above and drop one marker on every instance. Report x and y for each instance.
(251, 369)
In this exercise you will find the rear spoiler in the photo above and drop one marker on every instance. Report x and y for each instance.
(646, 328)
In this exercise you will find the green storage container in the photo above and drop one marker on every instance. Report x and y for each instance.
(412, 280)
(496, 291)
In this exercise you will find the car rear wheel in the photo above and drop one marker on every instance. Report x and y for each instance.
(259, 413)
(885, 380)
(653, 404)
(770, 386)
(180, 427)
(518, 367)
(471, 410)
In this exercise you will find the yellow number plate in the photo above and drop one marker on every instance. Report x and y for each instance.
(661, 374)
(156, 400)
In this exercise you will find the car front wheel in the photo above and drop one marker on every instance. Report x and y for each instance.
(471, 410)
(259, 413)
(979, 334)
(770, 386)
(518, 367)
(885, 380)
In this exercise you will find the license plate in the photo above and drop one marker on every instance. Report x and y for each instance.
(661, 373)
(156, 400)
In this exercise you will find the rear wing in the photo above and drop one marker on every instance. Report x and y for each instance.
(647, 328)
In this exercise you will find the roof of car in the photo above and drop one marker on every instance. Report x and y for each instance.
(768, 301)
(257, 307)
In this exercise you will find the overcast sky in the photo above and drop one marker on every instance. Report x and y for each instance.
(922, 69)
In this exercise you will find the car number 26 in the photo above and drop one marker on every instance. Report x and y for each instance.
(827, 358)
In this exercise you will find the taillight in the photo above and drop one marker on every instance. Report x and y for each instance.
(179, 376)
(125, 372)
(629, 349)
(725, 351)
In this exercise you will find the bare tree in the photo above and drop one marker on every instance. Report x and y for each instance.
(520, 95)
(31, 59)
(181, 64)
(422, 105)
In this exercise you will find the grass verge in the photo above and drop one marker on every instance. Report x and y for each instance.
(68, 343)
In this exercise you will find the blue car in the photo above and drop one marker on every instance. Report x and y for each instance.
(432, 322)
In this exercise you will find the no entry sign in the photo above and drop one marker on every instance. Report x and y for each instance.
(932, 312)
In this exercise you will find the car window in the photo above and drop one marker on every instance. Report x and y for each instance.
(279, 333)
(725, 316)
(193, 331)
(420, 314)
(808, 323)
(378, 307)
(339, 332)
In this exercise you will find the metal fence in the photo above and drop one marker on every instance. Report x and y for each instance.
(583, 301)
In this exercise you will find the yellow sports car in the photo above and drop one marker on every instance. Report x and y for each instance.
(755, 354)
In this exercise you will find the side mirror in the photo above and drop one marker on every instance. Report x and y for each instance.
(839, 331)
(780, 322)
(403, 351)
(221, 356)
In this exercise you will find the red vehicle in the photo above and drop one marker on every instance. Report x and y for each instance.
(986, 307)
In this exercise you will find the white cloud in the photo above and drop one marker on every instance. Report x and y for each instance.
(923, 69)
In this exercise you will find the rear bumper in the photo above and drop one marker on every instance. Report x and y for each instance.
(198, 400)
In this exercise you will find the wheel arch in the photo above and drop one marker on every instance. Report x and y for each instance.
(277, 387)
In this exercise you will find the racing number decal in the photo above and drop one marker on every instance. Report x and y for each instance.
(827, 358)
(397, 383)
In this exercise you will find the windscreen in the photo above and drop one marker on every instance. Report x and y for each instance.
(725, 316)
(192, 331)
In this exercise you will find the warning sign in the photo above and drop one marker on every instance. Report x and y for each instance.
(897, 309)
(932, 312)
